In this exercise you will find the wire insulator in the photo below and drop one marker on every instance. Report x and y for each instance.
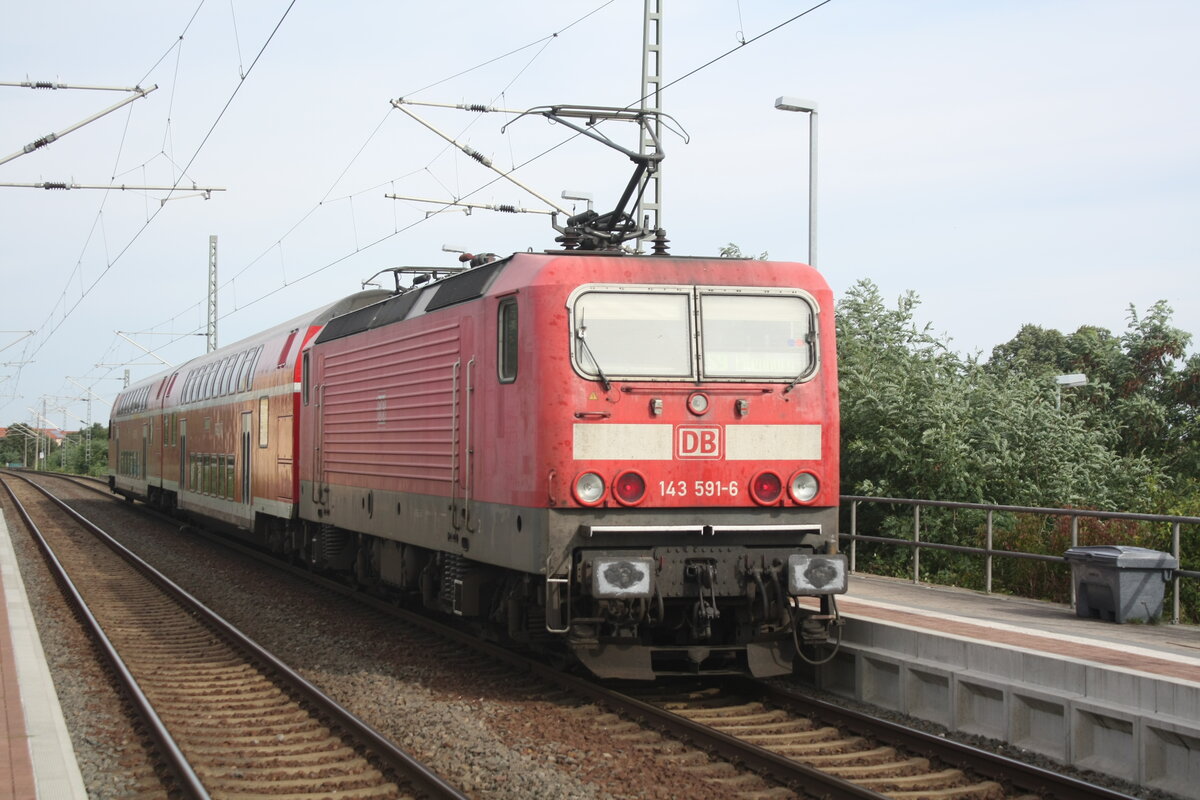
(478, 156)
(482, 109)
(507, 209)
(42, 142)
(55, 185)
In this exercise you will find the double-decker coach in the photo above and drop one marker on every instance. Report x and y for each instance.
(215, 437)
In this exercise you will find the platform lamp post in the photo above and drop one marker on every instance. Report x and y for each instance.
(1074, 379)
(810, 108)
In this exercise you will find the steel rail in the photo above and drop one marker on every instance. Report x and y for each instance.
(407, 768)
(1042, 782)
(189, 782)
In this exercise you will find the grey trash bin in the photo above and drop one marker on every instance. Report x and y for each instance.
(1119, 583)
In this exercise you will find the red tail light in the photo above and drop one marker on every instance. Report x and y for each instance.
(766, 488)
(629, 488)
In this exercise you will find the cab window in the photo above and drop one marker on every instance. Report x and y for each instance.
(507, 333)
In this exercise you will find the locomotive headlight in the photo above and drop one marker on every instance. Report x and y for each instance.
(814, 574)
(698, 403)
(622, 577)
(589, 488)
(804, 487)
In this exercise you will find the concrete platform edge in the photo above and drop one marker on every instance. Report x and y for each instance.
(1137, 726)
(56, 771)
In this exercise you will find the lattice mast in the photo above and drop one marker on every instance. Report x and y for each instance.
(211, 332)
(649, 211)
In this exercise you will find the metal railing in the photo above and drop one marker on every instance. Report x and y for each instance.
(989, 553)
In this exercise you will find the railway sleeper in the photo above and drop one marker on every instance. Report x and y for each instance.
(942, 779)
(891, 769)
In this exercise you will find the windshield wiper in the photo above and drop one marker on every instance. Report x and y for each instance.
(581, 335)
(810, 339)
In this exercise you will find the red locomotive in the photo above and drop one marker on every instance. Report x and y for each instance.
(633, 459)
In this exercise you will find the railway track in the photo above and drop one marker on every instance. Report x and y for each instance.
(226, 717)
(868, 752)
(752, 739)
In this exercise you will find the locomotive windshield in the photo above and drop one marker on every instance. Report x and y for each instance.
(756, 337)
(634, 335)
(657, 332)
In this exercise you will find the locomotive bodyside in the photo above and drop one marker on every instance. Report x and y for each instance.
(508, 437)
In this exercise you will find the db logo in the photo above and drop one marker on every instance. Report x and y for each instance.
(698, 441)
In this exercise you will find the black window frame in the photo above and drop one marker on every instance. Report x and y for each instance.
(507, 339)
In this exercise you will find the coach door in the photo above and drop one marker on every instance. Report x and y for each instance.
(247, 427)
(183, 471)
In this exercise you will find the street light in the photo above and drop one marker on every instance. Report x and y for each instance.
(809, 107)
(1074, 379)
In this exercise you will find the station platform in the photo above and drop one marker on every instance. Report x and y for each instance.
(1120, 699)
(36, 756)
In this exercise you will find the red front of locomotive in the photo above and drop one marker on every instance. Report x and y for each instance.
(677, 420)
(685, 383)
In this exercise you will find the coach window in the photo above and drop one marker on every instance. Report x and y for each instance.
(507, 357)
(222, 374)
(243, 379)
(264, 419)
(228, 373)
(209, 375)
(246, 377)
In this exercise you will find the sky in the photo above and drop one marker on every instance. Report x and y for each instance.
(1009, 162)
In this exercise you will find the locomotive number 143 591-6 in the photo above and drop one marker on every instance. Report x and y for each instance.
(698, 489)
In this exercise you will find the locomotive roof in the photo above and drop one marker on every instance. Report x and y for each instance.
(449, 290)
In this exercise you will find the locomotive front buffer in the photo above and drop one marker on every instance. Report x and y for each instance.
(695, 608)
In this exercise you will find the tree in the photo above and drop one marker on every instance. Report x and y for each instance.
(920, 421)
(1138, 384)
(18, 445)
(1034, 350)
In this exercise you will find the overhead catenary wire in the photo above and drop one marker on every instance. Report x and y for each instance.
(375, 131)
(50, 138)
(499, 177)
(400, 229)
(67, 185)
(55, 86)
(110, 260)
